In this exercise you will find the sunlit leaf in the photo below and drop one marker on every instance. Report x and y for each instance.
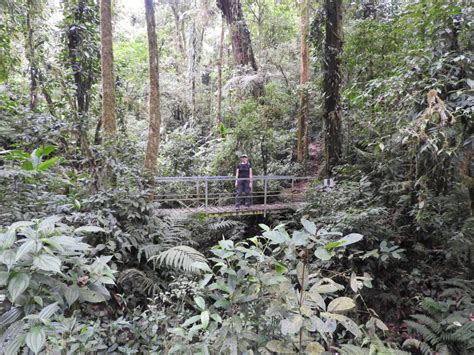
(341, 304)
(35, 339)
(17, 285)
(47, 262)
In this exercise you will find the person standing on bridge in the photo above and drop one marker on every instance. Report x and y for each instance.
(243, 181)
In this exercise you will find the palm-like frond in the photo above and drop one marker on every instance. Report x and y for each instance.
(418, 344)
(150, 250)
(139, 277)
(224, 224)
(183, 258)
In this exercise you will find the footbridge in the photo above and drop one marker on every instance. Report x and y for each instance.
(215, 195)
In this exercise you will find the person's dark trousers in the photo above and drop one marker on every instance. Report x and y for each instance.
(243, 189)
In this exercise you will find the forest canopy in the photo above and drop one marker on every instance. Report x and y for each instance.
(130, 132)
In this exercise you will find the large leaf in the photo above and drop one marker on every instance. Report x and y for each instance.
(69, 243)
(309, 226)
(302, 273)
(71, 294)
(48, 311)
(300, 238)
(44, 150)
(46, 164)
(91, 296)
(322, 254)
(346, 322)
(35, 339)
(205, 319)
(280, 347)
(47, 225)
(4, 275)
(316, 297)
(17, 285)
(8, 257)
(341, 304)
(14, 345)
(9, 317)
(291, 324)
(200, 302)
(47, 262)
(351, 239)
(326, 285)
(25, 248)
(276, 237)
(314, 348)
(89, 229)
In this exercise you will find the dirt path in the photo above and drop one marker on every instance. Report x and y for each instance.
(315, 164)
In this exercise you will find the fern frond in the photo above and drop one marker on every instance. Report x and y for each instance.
(428, 335)
(224, 224)
(182, 257)
(428, 321)
(150, 250)
(139, 277)
(417, 344)
(431, 306)
(465, 333)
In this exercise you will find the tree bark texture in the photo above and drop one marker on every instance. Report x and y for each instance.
(219, 75)
(153, 143)
(241, 42)
(83, 67)
(30, 56)
(109, 120)
(332, 83)
(303, 112)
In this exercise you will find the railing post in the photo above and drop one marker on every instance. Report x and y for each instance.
(197, 191)
(205, 190)
(292, 184)
(265, 182)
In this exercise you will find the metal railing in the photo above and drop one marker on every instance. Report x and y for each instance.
(207, 192)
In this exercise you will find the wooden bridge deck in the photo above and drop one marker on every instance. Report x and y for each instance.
(222, 211)
(211, 192)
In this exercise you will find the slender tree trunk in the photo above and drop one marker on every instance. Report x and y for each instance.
(180, 38)
(302, 140)
(109, 120)
(30, 55)
(241, 42)
(153, 143)
(219, 75)
(332, 83)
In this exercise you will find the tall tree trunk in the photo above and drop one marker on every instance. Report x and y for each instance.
(195, 49)
(109, 120)
(180, 38)
(332, 83)
(30, 56)
(241, 42)
(219, 76)
(153, 143)
(302, 140)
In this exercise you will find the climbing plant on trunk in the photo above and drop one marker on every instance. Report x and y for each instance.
(332, 83)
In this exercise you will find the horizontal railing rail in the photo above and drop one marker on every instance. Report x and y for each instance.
(260, 188)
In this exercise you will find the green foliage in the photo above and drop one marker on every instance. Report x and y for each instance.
(445, 325)
(182, 257)
(34, 161)
(263, 294)
(46, 270)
